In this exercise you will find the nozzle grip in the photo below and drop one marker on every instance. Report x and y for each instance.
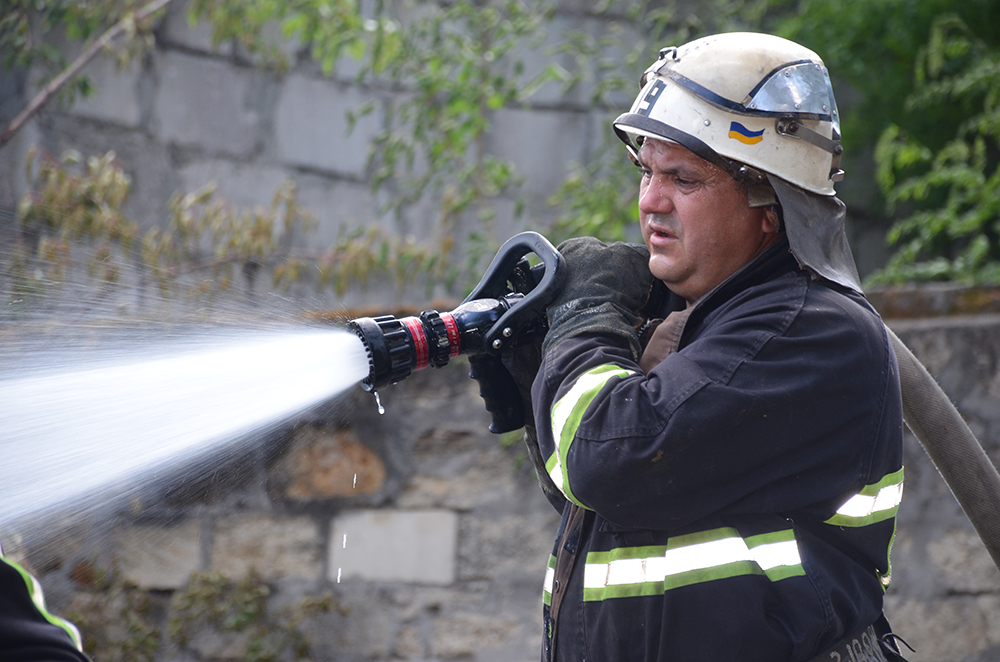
(494, 285)
(499, 391)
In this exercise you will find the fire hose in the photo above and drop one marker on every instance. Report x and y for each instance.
(507, 308)
(951, 446)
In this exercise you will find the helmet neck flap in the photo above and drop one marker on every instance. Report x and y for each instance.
(816, 233)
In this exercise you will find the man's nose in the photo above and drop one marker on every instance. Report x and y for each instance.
(654, 197)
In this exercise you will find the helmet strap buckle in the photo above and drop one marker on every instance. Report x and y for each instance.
(792, 128)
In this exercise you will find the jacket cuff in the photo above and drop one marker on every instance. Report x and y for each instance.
(603, 320)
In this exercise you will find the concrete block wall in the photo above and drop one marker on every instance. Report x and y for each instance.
(191, 112)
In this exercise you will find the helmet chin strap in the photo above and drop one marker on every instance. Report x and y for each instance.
(761, 195)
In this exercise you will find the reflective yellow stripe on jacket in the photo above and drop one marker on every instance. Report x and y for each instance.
(550, 575)
(567, 414)
(874, 503)
(38, 598)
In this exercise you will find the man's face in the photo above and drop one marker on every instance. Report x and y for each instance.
(695, 220)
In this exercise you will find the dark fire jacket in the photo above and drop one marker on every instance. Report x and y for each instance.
(28, 632)
(739, 501)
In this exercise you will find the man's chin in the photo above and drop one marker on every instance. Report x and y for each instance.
(661, 267)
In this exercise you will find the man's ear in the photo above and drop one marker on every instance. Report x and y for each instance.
(770, 223)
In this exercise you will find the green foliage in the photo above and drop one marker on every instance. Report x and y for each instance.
(599, 200)
(358, 255)
(456, 64)
(329, 28)
(24, 25)
(952, 192)
(871, 52)
(123, 623)
(245, 240)
(118, 622)
(212, 601)
(30, 29)
(921, 77)
(64, 209)
(452, 61)
(70, 211)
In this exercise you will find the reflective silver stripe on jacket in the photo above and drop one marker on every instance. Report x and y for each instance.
(550, 575)
(567, 414)
(874, 503)
(691, 559)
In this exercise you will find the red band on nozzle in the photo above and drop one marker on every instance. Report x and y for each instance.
(416, 329)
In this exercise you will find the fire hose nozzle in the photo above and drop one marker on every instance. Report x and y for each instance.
(387, 344)
(506, 307)
(397, 347)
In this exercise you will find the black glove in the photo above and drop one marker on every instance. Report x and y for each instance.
(505, 386)
(522, 363)
(608, 287)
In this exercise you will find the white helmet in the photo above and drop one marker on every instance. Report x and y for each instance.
(757, 99)
(761, 108)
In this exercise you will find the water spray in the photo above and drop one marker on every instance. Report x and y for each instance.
(82, 429)
(506, 309)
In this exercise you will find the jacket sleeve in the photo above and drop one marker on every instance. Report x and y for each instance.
(774, 406)
(28, 632)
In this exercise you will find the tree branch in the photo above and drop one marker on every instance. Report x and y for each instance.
(73, 69)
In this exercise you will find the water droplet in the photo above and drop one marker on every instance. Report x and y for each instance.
(338, 575)
(355, 481)
(378, 401)
(345, 541)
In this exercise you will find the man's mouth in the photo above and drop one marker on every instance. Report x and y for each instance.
(660, 234)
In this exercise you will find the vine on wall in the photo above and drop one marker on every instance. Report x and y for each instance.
(441, 69)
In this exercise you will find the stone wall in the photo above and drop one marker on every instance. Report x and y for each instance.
(430, 537)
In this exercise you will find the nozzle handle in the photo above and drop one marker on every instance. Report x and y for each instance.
(494, 285)
(499, 392)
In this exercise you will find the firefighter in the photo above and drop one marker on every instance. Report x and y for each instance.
(728, 477)
(28, 632)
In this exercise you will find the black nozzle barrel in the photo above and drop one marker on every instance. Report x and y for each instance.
(398, 347)
(389, 347)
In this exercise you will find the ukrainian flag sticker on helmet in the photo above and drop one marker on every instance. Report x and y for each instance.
(739, 132)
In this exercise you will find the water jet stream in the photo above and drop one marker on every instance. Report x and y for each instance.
(72, 427)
